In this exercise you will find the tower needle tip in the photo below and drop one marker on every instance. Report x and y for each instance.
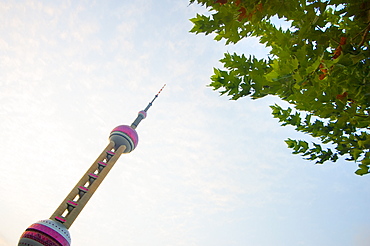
(161, 89)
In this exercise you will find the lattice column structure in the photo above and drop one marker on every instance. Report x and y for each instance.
(76, 200)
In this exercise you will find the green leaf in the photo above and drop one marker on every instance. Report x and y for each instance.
(363, 169)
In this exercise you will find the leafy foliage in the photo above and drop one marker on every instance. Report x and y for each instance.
(320, 65)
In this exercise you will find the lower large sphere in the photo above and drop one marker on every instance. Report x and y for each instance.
(124, 135)
(45, 232)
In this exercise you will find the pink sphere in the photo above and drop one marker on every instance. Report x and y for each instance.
(45, 232)
(124, 135)
(143, 113)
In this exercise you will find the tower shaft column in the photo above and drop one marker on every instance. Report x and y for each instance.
(76, 200)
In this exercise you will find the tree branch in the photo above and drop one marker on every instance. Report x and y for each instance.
(364, 35)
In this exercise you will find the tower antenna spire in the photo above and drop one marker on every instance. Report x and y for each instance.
(142, 113)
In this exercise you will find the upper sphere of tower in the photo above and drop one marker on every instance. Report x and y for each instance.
(45, 232)
(143, 113)
(124, 135)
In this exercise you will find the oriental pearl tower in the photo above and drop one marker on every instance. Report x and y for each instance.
(54, 231)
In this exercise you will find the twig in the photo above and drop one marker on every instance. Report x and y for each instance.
(364, 35)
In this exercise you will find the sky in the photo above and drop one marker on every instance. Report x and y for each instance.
(207, 171)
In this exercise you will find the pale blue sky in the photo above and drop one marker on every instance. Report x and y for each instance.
(207, 170)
